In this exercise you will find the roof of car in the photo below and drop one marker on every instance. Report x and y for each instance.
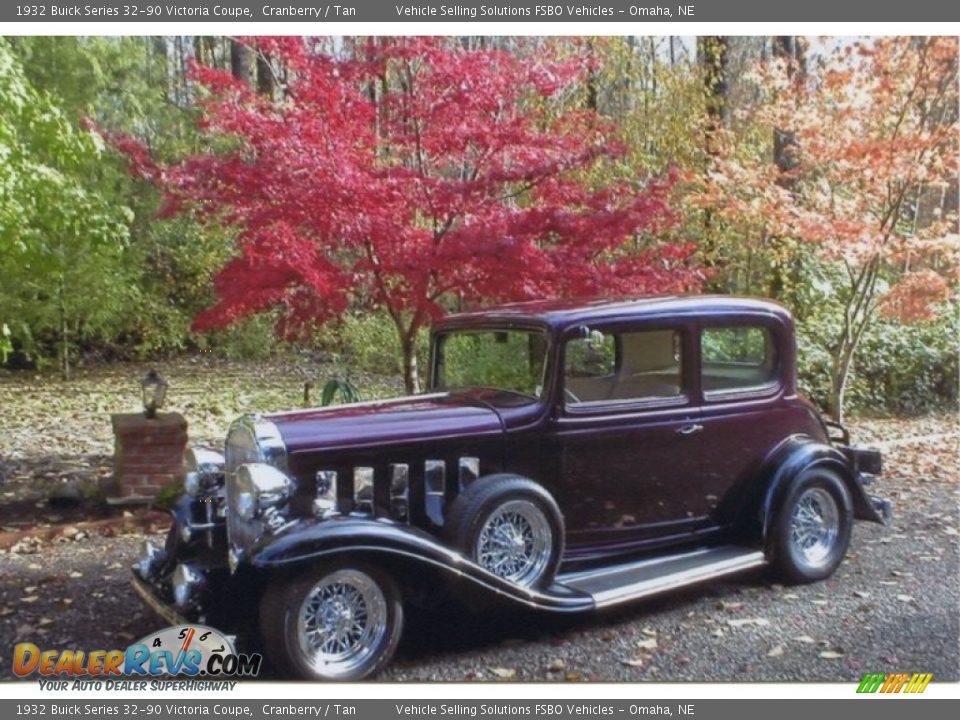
(570, 312)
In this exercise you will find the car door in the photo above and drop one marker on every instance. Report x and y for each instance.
(629, 437)
(744, 416)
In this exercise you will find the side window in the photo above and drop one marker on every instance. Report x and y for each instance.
(651, 365)
(642, 365)
(737, 358)
(591, 357)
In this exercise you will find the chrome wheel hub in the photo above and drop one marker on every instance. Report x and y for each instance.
(814, 527)
(515, 542)
(342, 622)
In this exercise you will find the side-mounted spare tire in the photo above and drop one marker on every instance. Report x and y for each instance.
(811, 530)
(510, 526)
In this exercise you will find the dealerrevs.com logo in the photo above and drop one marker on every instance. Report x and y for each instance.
(186, 651)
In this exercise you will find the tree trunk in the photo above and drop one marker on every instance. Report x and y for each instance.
(591, 82)
(838, 391)
(784, 269)
(64, 334)
(241, 63)
(792, 51)
(407, 332)
(411, 373)
(179, 72)
(265, 79)
(160, 54)
(840, 376)
(857, 315)
(198, 51)
(712, 56)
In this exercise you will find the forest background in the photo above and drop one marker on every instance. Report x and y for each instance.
(820, 172)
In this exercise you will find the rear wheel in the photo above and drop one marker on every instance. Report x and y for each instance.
(812, 530)
(341, 622)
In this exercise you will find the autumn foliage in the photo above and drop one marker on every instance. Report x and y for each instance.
(874, 138)
(409, 173)
(418, 175)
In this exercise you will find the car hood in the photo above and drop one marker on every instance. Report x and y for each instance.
(387, 422)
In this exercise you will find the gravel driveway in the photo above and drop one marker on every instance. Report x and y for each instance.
(892, 606)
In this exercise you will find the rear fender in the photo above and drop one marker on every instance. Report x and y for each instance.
(413, 556)
(794, 456)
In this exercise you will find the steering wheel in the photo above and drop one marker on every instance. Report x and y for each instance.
(571, 398)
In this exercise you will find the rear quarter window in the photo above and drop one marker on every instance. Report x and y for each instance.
(737, 359)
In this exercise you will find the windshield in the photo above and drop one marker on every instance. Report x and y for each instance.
(506, 360)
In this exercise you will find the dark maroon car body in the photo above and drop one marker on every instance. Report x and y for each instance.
(674, 488)
(635, 480)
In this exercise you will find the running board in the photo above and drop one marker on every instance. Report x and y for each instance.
(622, 583)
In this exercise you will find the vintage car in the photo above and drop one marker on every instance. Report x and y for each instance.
(568, 456)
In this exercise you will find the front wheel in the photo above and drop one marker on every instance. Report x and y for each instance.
(342, 622)
(812, 529)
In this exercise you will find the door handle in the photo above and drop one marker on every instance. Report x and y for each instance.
(690, 429)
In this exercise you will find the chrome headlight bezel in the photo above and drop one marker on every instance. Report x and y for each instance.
(257, 485)
(203, 471)
(260, 486)
(263, 442)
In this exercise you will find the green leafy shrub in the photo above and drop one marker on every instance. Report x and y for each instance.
(898, 368)
(249, 339)
(349, 393)
(168, 496)
(369, 340)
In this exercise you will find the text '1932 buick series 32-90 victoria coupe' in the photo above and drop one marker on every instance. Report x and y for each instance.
(569, 456)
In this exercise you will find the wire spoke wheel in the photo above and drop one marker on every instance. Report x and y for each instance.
(814, 527)
(515, 542)
(342, 623)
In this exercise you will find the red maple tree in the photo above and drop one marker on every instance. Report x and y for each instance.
(404, 172)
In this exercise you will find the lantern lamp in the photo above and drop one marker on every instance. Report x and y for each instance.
(153, 389)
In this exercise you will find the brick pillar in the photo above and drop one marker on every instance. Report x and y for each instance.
(147, 455)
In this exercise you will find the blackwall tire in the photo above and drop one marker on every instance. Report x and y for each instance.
(510, 526)
(339, 622)
(812, 529)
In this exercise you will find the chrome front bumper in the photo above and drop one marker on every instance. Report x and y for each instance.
(162, 609)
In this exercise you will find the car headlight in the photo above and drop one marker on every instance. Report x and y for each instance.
(260, 486)
(203, 471)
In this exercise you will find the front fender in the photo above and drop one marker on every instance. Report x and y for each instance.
(784, 465)
(394, 545)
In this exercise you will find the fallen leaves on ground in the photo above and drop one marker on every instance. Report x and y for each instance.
(742, 622)
(647, 644)
(55, 433)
